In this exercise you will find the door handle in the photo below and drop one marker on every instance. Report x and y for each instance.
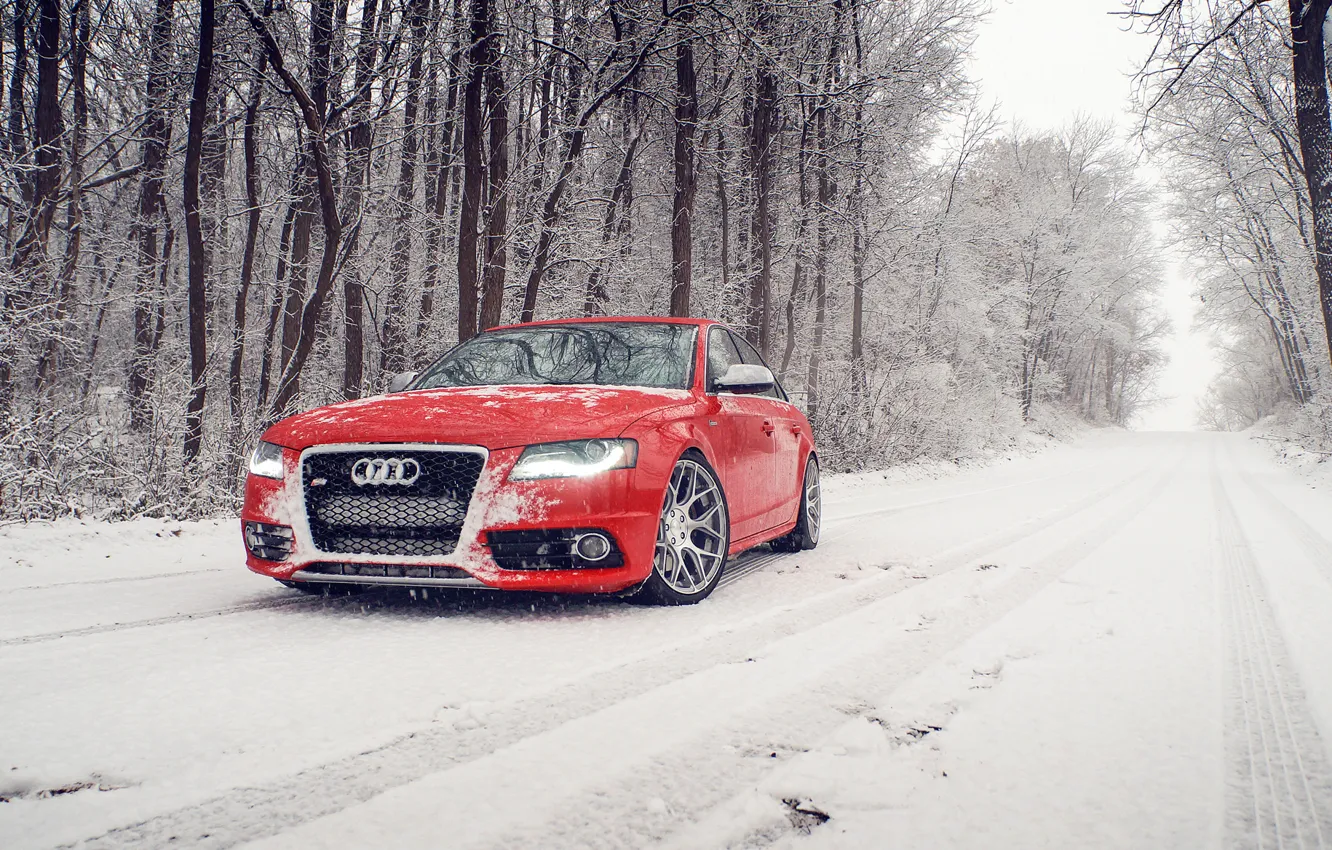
(768, 427)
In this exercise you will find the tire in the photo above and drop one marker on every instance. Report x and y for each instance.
(805, 535)
(693, 535)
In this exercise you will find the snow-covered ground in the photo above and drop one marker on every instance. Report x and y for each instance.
(1122, 642)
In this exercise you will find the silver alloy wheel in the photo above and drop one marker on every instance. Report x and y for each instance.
(813, 501)
(691, 536)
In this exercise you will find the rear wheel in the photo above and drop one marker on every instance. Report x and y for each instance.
(693, 536)
(805, 535)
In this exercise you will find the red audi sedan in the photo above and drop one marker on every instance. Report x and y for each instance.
(619, 455)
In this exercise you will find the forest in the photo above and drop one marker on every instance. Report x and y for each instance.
(1235, 99)
(218, 212)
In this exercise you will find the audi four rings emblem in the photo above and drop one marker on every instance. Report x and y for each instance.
(380, 470)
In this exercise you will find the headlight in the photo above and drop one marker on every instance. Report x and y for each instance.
(578, 458)
(266, 461)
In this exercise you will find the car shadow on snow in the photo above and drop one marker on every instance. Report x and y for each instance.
(508, 604)
(449, 602)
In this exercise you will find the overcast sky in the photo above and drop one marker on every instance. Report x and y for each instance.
(1046, 61)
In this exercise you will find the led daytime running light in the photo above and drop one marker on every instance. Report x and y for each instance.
(576, 459)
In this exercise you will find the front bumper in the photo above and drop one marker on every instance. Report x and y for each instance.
(625, 503)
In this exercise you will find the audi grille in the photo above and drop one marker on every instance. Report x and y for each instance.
(382, 500)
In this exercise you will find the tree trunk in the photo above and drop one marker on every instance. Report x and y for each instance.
(497, 175)
(298, 271)
(194, 236)
(824, 195)
(143, 233)
(358, 165)
(38, 188)
(545, 112)
(108, 282)
(275, 307)
(859, 230)
(758, 325)
(682, 217)
(328, 207)
(439, 170)
(45, 177)
(393, 355)
(1030, 347)
(473, 168)
(79, 30)
(576, 138)
(797, 274)
(822, 248)
(250, 144)
(724, 212)
(321, 45)
(4, 136)
(1307, 19)
(213, 177)
(17, 139)
(594, 294)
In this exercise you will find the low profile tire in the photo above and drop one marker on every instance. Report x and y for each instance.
(805, 535)
(693, 536)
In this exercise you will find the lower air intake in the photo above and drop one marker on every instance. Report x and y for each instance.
(548, 549)
(386, 571)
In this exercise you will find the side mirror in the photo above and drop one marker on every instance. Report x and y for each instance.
(401, 381)
(746, 379)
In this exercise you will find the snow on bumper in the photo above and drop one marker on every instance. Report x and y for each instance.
(620, 503)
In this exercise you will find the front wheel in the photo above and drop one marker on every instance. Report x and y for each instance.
(805, 535)
(693, 536)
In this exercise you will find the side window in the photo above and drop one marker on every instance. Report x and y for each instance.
(750, 356)
(722, 355)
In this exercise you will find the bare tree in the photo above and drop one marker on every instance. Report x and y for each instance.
(497, 175)
(473, 172)
(194, 235)
(762, 122)
(682, 214)
(288, 385)
(253, 218)
(1181, 45)
(156, 136)
(393, 354)
(360, 137)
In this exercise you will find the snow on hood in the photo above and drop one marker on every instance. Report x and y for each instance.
(494, 417)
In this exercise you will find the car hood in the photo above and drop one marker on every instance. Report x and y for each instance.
(494, 417)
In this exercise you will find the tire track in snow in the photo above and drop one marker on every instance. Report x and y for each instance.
(244, 608)
(926, 503)
(1279, 778)
(255, 812)
(746, 565)
(713, 775)
(1318, 546)
(112, 580)
(753, 561)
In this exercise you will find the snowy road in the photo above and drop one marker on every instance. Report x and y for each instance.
(1124, 642)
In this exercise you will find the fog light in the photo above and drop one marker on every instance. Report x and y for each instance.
(269, 542)
(592, 547)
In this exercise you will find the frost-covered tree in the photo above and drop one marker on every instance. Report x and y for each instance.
(1235, 144)
(344, 188)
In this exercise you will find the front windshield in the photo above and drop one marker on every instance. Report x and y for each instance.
(627, 354)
